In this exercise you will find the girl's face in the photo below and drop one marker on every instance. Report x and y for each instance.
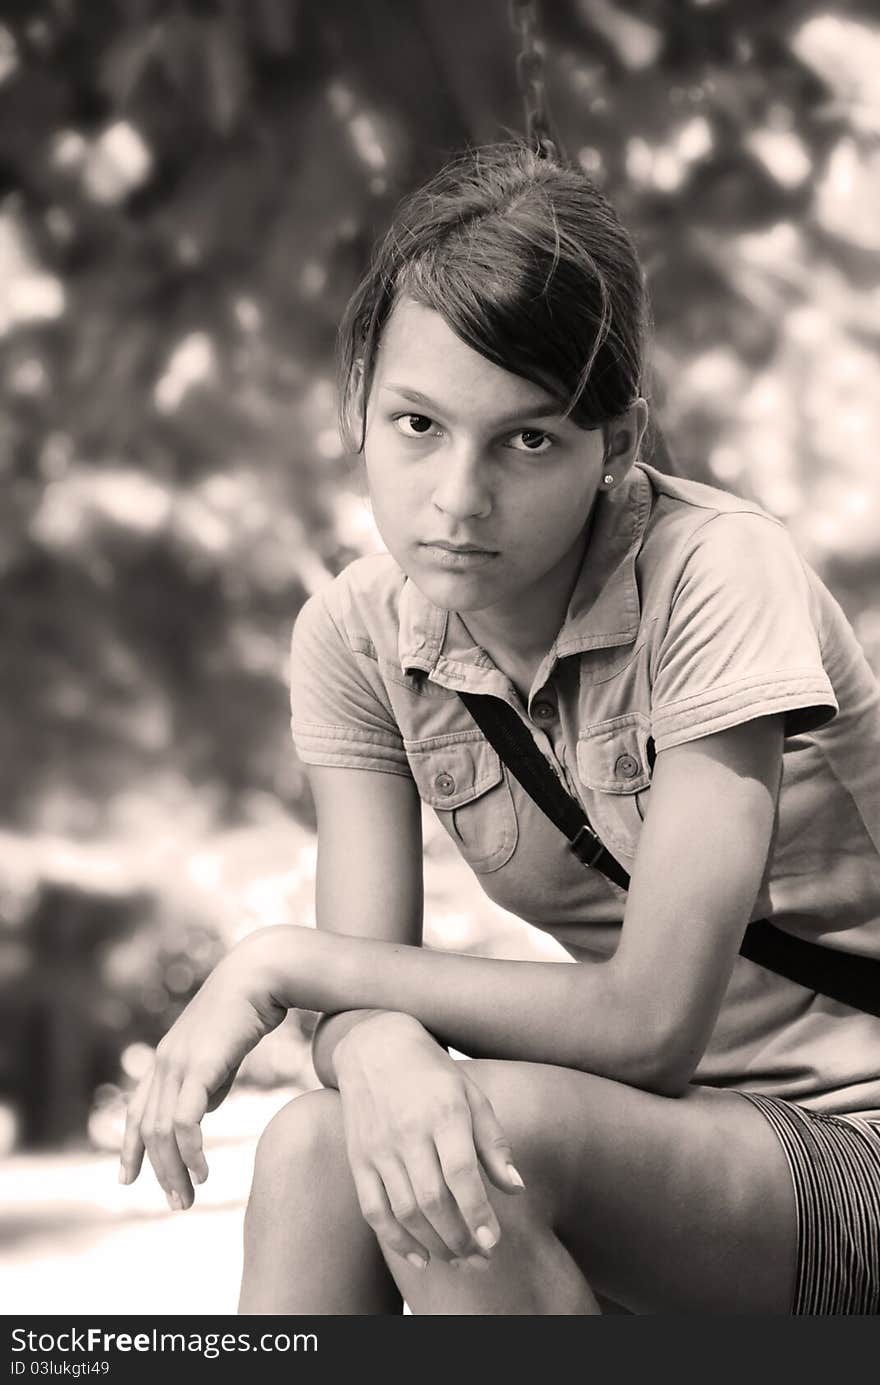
(480, 490)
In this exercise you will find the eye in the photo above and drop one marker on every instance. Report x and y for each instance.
(531, 440)
(414, 425)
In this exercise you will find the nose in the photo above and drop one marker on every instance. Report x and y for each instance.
(462, 489)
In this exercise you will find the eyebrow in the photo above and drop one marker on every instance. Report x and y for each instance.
(546, 407)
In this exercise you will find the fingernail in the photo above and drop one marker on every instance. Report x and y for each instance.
(417, 1261)
(478, 1262)
(174, 1202)
(485, 1238)
(199, 1175)
(514, 1176)
(123, 1174)
(456, 1264)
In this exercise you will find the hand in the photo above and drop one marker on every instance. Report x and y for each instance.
(194, 1067)
(417, 1128)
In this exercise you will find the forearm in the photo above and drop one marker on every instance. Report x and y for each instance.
(644, 1016)
(543, 1012)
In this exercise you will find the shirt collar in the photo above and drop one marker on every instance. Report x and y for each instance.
(604, 608)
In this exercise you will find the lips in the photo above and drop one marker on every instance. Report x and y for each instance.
(457, 547)
(457, 558)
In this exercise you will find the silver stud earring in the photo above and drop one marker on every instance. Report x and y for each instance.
(608, 479)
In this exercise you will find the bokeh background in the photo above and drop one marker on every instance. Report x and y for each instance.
(188, 192)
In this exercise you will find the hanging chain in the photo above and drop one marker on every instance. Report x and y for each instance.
(530, 77)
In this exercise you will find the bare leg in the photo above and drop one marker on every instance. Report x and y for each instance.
(665, 1205)
(307, 1249)
(530, 1274)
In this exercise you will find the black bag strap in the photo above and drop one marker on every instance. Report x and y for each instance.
(505, 731)
(853, 980)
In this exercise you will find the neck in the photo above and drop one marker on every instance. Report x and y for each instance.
(519, 634)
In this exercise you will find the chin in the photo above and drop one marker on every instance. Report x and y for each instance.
(455, 592)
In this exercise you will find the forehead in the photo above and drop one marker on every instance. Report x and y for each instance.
(420, 349)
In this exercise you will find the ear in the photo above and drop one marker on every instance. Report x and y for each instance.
(355, 417)
(623, 438)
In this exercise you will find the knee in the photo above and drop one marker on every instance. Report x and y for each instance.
(303, 1141)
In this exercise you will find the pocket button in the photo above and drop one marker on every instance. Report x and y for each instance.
(444, 783)
(626, 766)
(544, 711)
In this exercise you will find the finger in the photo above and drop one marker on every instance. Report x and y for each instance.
(460, 1169)
(131, 1154)
(376, 1212)
(490, 1141)
(436, 1201)
(192, 1105)
(406, 1209)
(165, 1138)
(152, 1144)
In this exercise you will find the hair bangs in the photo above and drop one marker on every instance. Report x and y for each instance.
(508, 308)
(528, 263)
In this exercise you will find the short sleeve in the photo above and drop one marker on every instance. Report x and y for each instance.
(742, 639)
(339, 711)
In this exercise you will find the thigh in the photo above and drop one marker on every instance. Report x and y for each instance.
(667, 1204)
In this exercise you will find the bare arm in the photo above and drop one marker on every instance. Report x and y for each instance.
(369, 876)
(643, 1017)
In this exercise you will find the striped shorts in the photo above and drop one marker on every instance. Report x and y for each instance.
(835, 1169)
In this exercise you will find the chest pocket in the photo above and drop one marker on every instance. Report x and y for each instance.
(614, 760)
(465, 783)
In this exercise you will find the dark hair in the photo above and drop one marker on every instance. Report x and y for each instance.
(528, 264)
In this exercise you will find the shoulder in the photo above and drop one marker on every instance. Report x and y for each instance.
(699, 532)
(734, 625)
(360, 607)
(685, 507)
(342, 713)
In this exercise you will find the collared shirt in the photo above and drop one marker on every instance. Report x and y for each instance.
(692, 612)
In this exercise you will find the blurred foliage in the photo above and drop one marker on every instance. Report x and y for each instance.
(188, 191)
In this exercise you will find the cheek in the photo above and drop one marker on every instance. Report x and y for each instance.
(394, 487)
(392, 504)
(388, 492)
(556, 514)
(381, 460)
(377, 475)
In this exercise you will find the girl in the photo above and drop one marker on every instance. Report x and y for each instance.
(666, 1126)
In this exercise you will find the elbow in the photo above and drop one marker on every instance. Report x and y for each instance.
(648, 1067)
(667, 1064)
(657, 1043)
(655, 1073)
(646, 1041)
(653, 1059)
(669, 1082)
